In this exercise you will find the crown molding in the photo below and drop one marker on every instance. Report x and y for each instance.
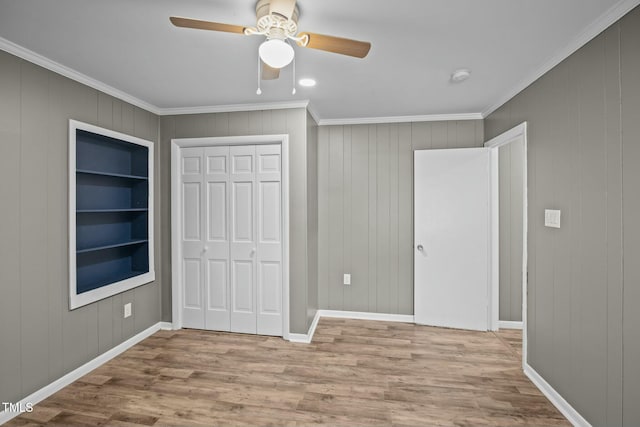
(314, 114)
(400, 119)
(232, 108)
(35, 58)
(610, 17)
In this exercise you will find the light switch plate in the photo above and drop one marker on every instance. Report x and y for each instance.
(347, 279)
(127, 310)
(552, 218)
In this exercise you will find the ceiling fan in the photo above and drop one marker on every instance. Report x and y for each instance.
(278, 21)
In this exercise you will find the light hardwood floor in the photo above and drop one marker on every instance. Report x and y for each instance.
(354, 373)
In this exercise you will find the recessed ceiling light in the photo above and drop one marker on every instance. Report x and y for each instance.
(460, 75)
(306, 82)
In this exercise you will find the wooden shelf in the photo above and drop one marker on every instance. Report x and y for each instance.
(114, 245)
(112, 175)
(111, 210)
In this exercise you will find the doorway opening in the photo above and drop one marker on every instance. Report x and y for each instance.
(509, 168)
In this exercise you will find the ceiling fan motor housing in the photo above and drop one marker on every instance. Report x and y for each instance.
(275, 25)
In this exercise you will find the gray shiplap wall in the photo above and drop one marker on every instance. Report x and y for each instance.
(289, 121)
(365, 209)
(584, 279)
(41, 340)
(511, 161)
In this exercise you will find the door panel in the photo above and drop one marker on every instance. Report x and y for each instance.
(217, 163)
(217, 204)
(242, 212)
(191, 162)
(243, 314)
(217, 285)
(243, 239)
(452, 237)
(269, 247)
(269, 162)
(191, 211)
(243, 163)
(192, 290)
(268, 278)
(269, 213)
(243, 286)
(192, 244)
(216, 248)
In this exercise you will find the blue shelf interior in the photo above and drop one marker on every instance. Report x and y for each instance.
(101, 153)
(94, 230)
(112, 218)
(101, 268)
(107, 192)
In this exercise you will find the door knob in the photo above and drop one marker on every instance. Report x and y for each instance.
(205, 248)
(420, 248)
(253, 251)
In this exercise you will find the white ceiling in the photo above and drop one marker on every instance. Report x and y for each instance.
(416, 44)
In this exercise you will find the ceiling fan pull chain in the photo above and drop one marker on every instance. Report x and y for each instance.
(293, 92)
(259, 91)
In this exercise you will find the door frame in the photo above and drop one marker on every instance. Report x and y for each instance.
(516, 133)
(176, 214)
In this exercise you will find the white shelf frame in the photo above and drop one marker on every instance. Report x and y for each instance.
(79, 300)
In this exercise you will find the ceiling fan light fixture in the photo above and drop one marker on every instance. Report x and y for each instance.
(276, 53)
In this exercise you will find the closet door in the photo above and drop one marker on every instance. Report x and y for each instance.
(193, 214)
(232, 239)
(269, 241)
(215, 252)
(243, 245)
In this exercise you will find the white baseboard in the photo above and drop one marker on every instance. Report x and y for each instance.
(306, 338)
(166, 326)
(78, 373)
(556, 399)
(509, 324)
(386, 317)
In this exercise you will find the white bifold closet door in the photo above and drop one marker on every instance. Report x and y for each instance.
(232, 239)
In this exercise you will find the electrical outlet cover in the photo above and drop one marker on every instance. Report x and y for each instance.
(552, 218)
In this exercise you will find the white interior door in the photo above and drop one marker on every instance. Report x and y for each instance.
(192, 182)
(232, 239)
(451, 238)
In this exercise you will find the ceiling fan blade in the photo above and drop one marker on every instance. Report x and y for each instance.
(333, 44)
(269, 73)
(282, 7)
(206, 25)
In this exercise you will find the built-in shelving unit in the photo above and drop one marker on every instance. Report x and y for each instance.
(110, 216)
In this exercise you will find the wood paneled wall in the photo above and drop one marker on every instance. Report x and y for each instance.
(584, 279)
(41, 339)
(365, 209)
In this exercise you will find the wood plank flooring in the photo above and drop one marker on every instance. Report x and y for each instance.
(355, 373)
